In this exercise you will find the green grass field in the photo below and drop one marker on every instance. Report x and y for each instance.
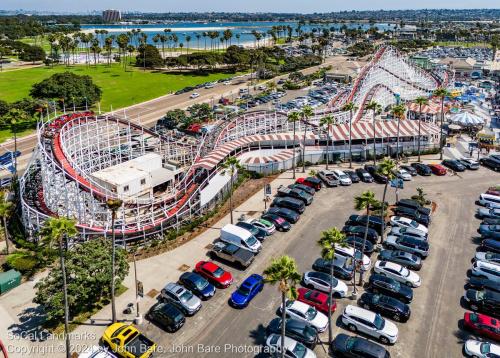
(462, 44)
(119, 88)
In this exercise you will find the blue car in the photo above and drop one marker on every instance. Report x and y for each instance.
(489, 231)
(247, 291)
(197, 284)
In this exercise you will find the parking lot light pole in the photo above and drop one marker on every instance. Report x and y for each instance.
(138, 317)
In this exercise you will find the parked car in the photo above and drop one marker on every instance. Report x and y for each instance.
(408, 244)
(480, 283)
(321, 281)
(280, 223)
(372, 234)
(491, 163)
(482, 325)
(375, 222)
(493, 190)
(184, 299)
(309, 190)
(214, 274)
(317, 299)
(409, 169)
(197, 284)
(407, 223)
(287, 214)
(364, 176)
(312, 182)
(487, 257)
(489, 231)
(240, 237)
(293, 349)
(357, 347)
(487, 270)
(342, 177)
(491, 245)
(379, 178)
(480, 349)
(412, 214)
(342, 268)
(437, 169)
(295, 329)
(359, 243)
(398, 273)
(328, 178)
(490, 221)
(403, 174)
(484, 301)
(247, 291)
(413, 204)
(349, 252)
(301, 195)
(125, 338)
(303, 312)
(166, 315)
(264, 225)
(259, 233)
(90, 352)
(352, 175)
(357, 319)
(409, 231)
(422, 169)
(289, 203)
(486, 213)
(194, 95)
(232, 253)
(386, 306)
(489, 201)
(469, 163)
(406, 259)
(389, 286)
(453, 164)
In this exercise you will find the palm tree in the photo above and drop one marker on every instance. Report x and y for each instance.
(284, 272)
(361, 202)
(188, 40)
(375, 108)
(398, 111)
(329, 238)
(327, 122)
(441, 93)
(307, 112)
(293, 117)
(113, 205)
(56, 232)
(386, 168)
(421, 101)
(231, 165)
(6, 209)
(351, 107)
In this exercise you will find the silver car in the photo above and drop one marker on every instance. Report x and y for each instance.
(182, 298)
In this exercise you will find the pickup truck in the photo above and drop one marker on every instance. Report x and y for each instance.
(232, 253)
(126, 340)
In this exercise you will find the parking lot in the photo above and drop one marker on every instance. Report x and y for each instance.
(432, 331)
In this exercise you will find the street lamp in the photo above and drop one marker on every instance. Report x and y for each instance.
(138, 317)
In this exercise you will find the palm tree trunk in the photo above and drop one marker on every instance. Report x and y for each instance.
(383, 212)
(397, 143)
(419, 126)
(350, 140)
(441, 131)
(293, 161)
(361, 278)
(113, 257)
(374, 141)
(231, 197)
(6, 233)
(65, 292)
(304, 149)
(283, 323)
(330, 295)
(327, 148)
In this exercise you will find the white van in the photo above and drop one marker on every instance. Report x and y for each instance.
(490, 201)
(240, 237)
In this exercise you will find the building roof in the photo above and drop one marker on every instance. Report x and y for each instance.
(461, 63)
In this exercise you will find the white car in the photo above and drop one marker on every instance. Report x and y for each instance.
(489, 201)
(194, 95)
(269, 228)
(96, 352)
(358, 319)
(293, 349)
(398, 273)
(485, 269)
(488, 257)
(321, 281)
(408, 231)
(480, 349)
(348, 252)
(405, 222)
(226, 83)
(403, 174)
(303, 312)
(342, 177)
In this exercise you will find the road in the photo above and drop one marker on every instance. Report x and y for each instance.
(432, 330)
(147, 113)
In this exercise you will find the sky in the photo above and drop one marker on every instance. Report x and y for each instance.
(301, 6)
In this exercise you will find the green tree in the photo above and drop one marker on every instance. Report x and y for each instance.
(375, 108)
(6, 209)
(351, 107)
(364, 201)
(284, 272)
(149, 57)
(68, 87)
(307, 112)
(421, 101)
(398, 112)
(231, 166)
(385, 168)
(327, 121)
(113, 205)
(329, 238)
(293, 117)
(33, 54)
(441, 93)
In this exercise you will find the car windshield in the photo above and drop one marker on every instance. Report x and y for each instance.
(375, 298)
(396, 286)
(218, 273)
(404, 272)
(200, 284)
(351, 341)
(414, 224)
(485, 348)
(311, 313)
(379, 322)
(300, 350)
(343, 176)
(480, 295)
(473, 317)
(251, 240)
(244, 290)
(186, 296)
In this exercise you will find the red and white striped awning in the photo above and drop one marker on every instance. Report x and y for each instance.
(279, 157)
(383, 129)
(430, 108)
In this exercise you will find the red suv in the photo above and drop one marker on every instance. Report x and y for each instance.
(483, 325)
(311, 182)
(437, 169)
(318, 300)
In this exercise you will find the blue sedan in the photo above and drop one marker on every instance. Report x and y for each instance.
(247, 291)
(490, 231)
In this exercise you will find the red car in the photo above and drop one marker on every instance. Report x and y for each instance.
(493, 190)
(214, 273)
(437, 169)
(311, 182)
(483, 325)
(318, 300)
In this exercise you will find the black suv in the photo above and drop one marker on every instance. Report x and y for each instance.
(491, 163)
(379, 178)
(341, 268)
(412, 214)
(390, 287)
(357, 347)
(296, 194)
(289, 203)
(485, 301)
(422, 169)
(375, 222)
(166, 315)
(364, 175)
(386, 306)
(371, 236)
(412, 204)
(454, 165)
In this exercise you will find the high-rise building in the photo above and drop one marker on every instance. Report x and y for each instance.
(111, 15)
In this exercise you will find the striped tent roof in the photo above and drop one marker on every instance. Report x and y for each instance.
(430, 108)
(283, 155)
